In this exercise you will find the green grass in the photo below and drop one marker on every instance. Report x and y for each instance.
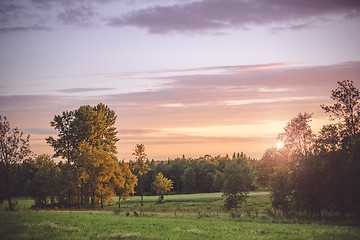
(193, 203)
(107, 225)
(188, 216)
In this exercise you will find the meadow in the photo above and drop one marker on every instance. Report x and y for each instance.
(191, 216)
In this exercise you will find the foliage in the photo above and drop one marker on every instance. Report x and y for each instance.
(93, 125)
(13, 149)
(323, 179)
(141, 166)
(162, 185)
(266, 166)
(87, 139)
(237, 180)
(347, 109)
(189, 180)
(298, 137)
(125, 181)
(42, 182)
(96, 172)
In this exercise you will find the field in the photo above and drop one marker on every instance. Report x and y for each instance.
(195, 216)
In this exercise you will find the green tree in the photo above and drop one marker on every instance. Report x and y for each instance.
(42, 183)
(91, 126)
(64, 146)
(189, 180)
(13, 149)
(162, 185)
(280, 184)
(141, 166)
(237, 182)
(218, 181)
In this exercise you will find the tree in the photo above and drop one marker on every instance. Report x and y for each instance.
(347, 110)
(189, 180)
(266, 166)
(218, 181)
(98, 173)
(329, 139)
(237, 181)
(13, 149)
(95, 126)
(141, 166)
(42, 183)
(298, 137)
(280, 185)
(125, 181)
(64, 146)
(91, 124)
(162, 185)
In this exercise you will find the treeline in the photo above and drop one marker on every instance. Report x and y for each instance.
(194, 175)
(317, 175)
(56, 183)
(309, 176)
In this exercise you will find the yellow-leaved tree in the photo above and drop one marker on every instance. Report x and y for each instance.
(125, 181)
(162, 185)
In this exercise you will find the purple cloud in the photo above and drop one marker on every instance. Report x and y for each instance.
(214, 15)
(25, 29)
(78, 16)
(80, 90)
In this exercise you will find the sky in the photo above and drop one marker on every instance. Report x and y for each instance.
(184, 77)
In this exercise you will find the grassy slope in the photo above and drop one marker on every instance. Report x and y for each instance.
(193, 216)
(106, 225)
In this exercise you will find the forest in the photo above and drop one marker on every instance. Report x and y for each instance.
(311, 176)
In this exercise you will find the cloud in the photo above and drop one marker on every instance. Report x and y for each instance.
(10, 11)
(78, 16)
(215, 15)
(25, 29)
(82, 90)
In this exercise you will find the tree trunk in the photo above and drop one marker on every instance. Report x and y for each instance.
(119, 201)
(8, 187)
(162, 198)
(93, 200)
(141, 191)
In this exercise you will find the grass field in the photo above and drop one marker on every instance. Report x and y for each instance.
(193, 216)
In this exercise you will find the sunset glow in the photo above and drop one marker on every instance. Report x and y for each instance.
(184, 77)
(279, 145)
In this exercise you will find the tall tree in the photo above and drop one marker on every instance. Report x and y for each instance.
(266, 166)
(141, 165)
(91, 124)
(99, 169)
(237, 181)
(13, 149)
(347, 110)
(162, 185)
(64, 145)
(298, 137)
(95, 126)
